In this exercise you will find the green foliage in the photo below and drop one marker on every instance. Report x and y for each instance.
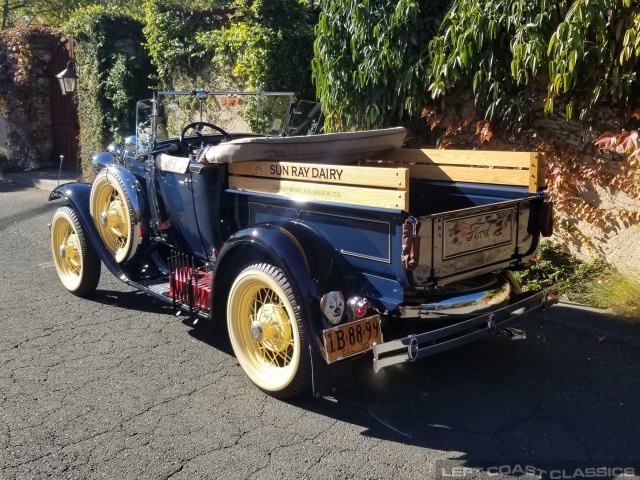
(553, 265)
(6, 166)
(619, 292)
(267, 45)
(583, 51)
(171, 30)
(370, 59)
(113, 72)
(255, 44)
(57, 12)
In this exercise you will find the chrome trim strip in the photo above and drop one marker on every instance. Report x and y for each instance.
(366, 257)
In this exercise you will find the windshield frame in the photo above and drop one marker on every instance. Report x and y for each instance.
(283, 109)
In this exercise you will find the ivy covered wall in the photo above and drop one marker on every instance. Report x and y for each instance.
(559, 77)
(259, 45)
(114, 73)
(255, 44)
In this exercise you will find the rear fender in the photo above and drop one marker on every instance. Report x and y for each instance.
(333, 272)
(77, 196)
(266, 243)
(278, 245)
(281, 245)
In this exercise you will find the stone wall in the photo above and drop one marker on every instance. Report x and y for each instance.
(26, 105)
(618, 243)
(607, 234)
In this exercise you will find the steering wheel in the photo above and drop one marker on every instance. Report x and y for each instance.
(197, 126)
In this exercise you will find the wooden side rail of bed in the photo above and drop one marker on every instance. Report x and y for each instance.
(477, 166)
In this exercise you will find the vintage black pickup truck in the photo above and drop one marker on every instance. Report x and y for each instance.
(314, 249)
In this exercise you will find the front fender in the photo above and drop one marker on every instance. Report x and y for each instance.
(77, 196)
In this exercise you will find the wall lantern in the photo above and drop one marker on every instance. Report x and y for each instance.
(5, 79)
(68, 79)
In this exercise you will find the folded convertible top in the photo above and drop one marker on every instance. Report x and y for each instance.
(325, 148)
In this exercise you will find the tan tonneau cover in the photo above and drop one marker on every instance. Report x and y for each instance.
(337, 148)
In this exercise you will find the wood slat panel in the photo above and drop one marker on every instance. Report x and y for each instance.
(503, 168)
(369, 197)
(488, 158)
(395, 177)
(537, 177)
(499, 176)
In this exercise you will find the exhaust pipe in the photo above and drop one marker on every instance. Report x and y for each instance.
(514, 333)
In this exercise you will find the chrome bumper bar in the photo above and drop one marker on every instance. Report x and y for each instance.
(408, 349)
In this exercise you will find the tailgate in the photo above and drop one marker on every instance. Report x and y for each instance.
(467, 242)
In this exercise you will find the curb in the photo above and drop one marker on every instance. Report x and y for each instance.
(42, 179)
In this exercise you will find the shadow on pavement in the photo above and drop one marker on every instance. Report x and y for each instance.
(561, 398)
(565, 398)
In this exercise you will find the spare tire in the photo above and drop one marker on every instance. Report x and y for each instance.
(112, 207)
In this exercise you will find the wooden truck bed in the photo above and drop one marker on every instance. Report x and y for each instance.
(474, 211)
(384, 182)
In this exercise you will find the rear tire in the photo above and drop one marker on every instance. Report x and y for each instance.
(267, 333)
(113, 214)
(75, 259)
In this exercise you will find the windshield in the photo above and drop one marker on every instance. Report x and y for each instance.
(251, 113)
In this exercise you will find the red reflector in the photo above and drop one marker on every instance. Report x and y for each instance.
(360, 311)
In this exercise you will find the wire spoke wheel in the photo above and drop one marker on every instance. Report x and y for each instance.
(266, 331)
(112, 214)
(75, 259)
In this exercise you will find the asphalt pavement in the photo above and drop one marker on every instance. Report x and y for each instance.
(116, 386)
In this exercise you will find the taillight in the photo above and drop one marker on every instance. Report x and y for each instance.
(358, 307)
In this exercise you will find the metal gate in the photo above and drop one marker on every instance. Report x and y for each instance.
(64, 112)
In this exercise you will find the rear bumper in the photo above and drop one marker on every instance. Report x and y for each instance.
(414, 347)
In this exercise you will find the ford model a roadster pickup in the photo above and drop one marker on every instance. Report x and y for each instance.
(315, 248)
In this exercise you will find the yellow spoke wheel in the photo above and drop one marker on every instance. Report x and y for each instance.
(266, 332)
(112, 214)
(75, 259)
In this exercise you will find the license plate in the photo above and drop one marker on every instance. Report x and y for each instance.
(351, 338)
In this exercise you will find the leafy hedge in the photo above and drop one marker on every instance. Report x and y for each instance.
(369, 61)
(256, 44)
(171, 32)
(113, 73)
(582, 51)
